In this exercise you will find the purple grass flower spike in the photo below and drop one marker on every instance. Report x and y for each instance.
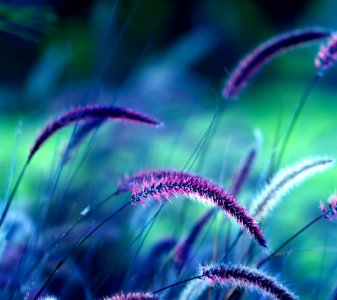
(246, 166)
(89, 112)
(246, 277)
(163, 246)
(243, 172)
(327, 55)
(265, 52)
(132, 296)
(178, 183)
(182, 253)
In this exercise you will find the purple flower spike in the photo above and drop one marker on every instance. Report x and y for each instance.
(265, 52)
(163, 246)
(182, 253)
(247, 277)
(177, 184)
(132, 296)
(244, 170)
(86, 113)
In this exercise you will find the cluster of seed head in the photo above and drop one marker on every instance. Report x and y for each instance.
(178, 183)
(327, 55)
(247, 277)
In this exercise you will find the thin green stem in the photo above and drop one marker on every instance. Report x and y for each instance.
(178, 283)
(294, 118)
(263, 261)
(11, 196)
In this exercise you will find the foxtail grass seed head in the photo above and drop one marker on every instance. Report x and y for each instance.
(184, 184)
(86, 113)
(243, 171)
(254, 61)
(284, 181)
(246, 277)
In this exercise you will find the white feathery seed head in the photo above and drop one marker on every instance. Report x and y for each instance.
(284, 181)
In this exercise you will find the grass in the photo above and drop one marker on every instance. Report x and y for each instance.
(117, 257)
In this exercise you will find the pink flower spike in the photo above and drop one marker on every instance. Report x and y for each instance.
(182, 184)
(89, 112)
(248, 278)
(254, 61)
